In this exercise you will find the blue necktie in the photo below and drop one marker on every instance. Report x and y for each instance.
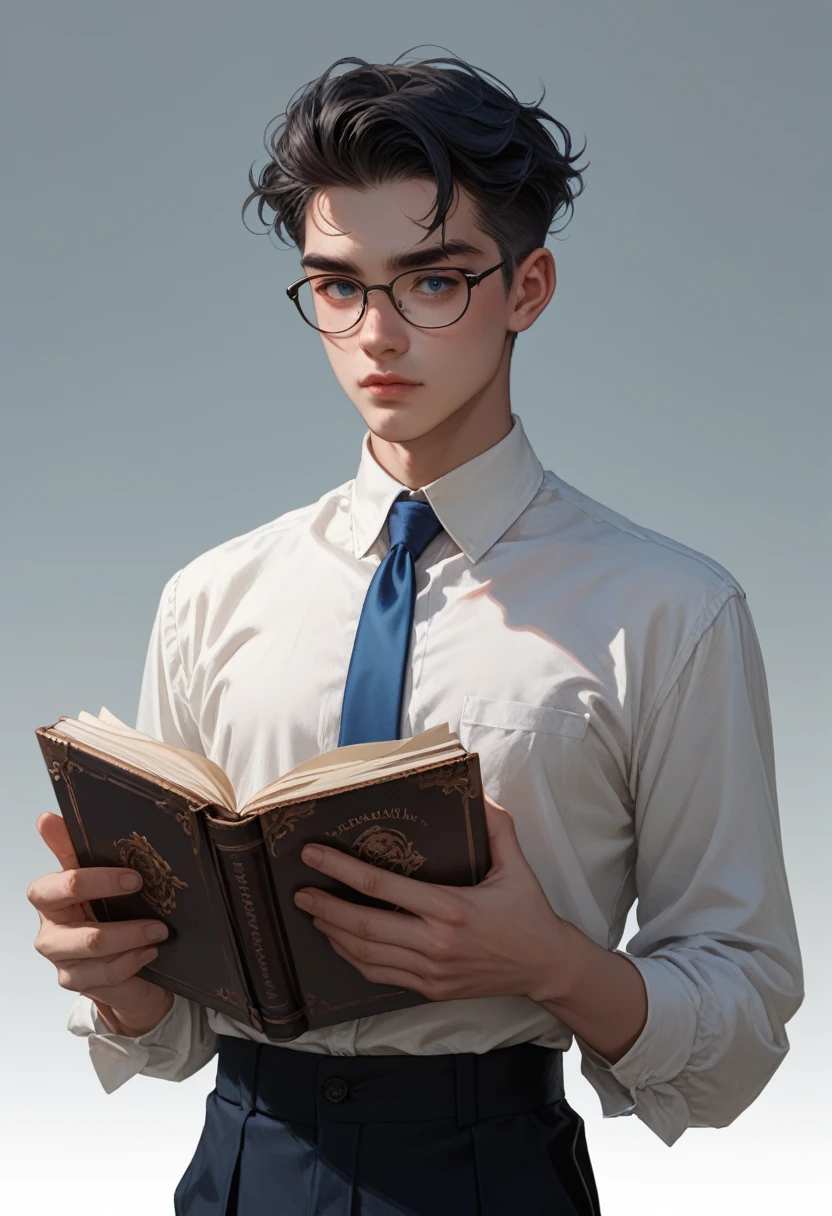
(373, 692)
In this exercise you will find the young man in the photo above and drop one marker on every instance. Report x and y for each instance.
(609, 678)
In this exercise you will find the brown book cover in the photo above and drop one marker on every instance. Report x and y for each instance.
(237, 943)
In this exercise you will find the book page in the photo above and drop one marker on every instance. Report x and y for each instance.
(311, 780)
(355, 753)
(195, 774)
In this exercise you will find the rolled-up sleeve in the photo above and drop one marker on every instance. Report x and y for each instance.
(176, 1048)
(717, 945)
(183, 1041)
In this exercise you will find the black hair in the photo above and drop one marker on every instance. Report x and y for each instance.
(437, 118)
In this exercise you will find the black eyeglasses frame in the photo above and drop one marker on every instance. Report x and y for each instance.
(471, 279)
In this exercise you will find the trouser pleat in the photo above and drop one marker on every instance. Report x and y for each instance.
(205, 1189)
(333, 1189)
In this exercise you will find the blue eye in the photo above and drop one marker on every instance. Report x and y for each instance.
(338, 289)
(434, 285)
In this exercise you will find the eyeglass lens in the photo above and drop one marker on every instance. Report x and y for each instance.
(427, 299)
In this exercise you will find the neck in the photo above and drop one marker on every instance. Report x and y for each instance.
(477, 425)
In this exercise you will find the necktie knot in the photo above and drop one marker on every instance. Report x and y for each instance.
(413, 524)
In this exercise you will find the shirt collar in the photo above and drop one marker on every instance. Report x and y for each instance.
(475, 503)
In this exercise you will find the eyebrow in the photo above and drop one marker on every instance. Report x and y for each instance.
(411, 260)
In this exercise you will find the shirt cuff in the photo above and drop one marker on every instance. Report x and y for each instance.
(638, 1083)
(118, 1057)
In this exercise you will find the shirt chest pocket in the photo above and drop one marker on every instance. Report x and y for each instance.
(520, 745)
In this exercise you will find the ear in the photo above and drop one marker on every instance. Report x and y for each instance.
(534, 285)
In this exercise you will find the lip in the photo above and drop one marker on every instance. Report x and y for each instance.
(388, 378)
(393, 391)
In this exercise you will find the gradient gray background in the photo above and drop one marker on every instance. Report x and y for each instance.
(161, 396)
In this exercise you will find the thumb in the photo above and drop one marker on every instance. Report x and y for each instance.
(502, 834)
(55, 834)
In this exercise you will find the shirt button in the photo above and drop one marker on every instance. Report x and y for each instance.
(335, 1089)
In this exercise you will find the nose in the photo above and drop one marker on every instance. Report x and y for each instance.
(381, 327)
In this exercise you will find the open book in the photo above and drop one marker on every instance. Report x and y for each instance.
(202, 778)
(223, 877)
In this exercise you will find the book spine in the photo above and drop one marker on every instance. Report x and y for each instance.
(241, 863)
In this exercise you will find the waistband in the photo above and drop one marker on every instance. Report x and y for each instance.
(306, 1087)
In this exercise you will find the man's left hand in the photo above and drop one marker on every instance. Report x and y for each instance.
(498, 938)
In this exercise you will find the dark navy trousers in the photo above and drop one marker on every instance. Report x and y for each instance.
(296, 1133)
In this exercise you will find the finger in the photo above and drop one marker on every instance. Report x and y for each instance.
(392, 976)
(423, 898)
(55, 894)
(379, 954)
(373, 923)
(72, 943)
(92, 974)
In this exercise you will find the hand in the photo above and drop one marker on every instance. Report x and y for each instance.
(498, 938)
(95, 959)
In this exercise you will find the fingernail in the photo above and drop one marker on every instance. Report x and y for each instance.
(130, 881)
(312, 855)
(155, 933)
(303, 901)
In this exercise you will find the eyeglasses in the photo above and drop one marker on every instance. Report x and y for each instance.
(429, 299)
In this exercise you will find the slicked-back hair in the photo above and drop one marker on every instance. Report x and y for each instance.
(439, 119)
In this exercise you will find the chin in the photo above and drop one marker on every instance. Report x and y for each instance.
(399, 423)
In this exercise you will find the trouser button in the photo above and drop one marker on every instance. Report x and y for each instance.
(335, 1089)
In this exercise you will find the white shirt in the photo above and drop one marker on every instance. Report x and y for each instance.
(611, 681)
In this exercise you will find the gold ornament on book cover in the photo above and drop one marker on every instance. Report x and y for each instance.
(388, 848)
(278, 822)
(160, 884)
(456, 779)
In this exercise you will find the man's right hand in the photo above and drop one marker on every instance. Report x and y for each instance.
(96, 959)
